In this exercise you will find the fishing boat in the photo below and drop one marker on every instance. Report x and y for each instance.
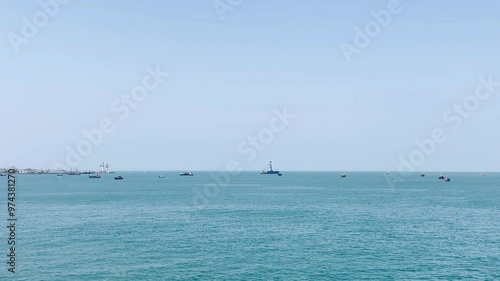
(59, 175)
(422, 175)
(118, 178)
(280, 174)
(186, 174)
(3, 175)
(96, 176)
(343, 175)
(269, 171)
(447, 179)
(441, 177)
(161, 177)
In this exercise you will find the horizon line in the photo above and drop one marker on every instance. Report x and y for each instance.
(212, 170)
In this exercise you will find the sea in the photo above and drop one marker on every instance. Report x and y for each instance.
(247, 226)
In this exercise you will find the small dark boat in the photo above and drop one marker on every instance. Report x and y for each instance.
(422, 175)
(186, 174)
(441, 177)
(97, 176)
(118, 178)
(280, 174)
(161, 177)
(343, 175)
(447, 179)
(59, 175)
(3, 175)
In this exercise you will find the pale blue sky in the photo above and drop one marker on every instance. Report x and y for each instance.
(227, 76)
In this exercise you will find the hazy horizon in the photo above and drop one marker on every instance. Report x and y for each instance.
(184, 86)
(393, 172)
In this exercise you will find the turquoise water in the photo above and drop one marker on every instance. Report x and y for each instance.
(301, 226)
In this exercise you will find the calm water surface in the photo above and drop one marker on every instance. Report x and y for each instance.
(300, 226)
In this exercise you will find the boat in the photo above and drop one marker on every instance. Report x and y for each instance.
(441, 177)
(343, 175)
(96, 176)
(118, 178)
(447, 179)
(3, 175)
(59, 175)
(280, 174)
(186, 174)
(104, 169)
(161, 177)
(270, 171)
(422, 175)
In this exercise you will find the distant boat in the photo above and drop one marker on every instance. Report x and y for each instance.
(104, 168)
(422, 175)
(280, 174)
(447, 179)
(343, 175)
(59, 175)
(441, 177)
(3, 175)
(96, 176)
(118, 178)
(161, 177)
(186, 174)
(270, 171)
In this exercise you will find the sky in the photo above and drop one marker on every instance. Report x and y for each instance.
(235, 69)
